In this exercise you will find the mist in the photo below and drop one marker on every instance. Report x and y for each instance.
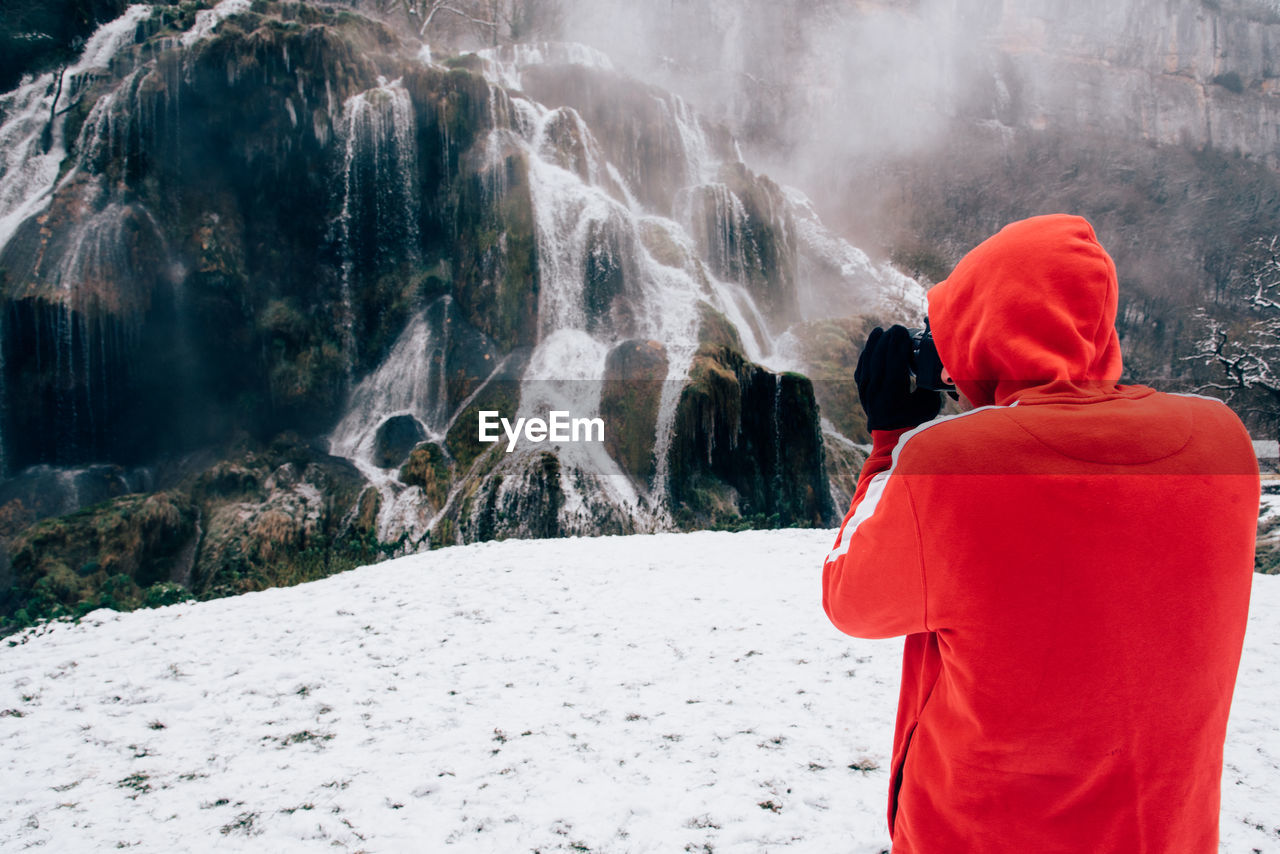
(839, 99)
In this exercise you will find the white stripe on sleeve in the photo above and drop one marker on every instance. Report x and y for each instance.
(878, 483)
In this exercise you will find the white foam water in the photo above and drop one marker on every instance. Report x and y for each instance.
(32, 147)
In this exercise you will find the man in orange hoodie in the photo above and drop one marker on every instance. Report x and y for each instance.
(1070, 562)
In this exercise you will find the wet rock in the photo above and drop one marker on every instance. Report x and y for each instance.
(635, 372)
(747, 442)
(654, 138)
(428, 468)
(610, 276)
(366, 521)
(831, 349)
(526, 504)
(395, 439)
(104, 556)
(500, 393)
(496, 284)
(746, 233)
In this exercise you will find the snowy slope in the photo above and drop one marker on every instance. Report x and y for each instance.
(659, 693)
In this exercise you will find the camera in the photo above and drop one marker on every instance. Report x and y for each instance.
(926, 365)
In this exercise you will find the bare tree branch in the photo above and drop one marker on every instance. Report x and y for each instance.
(1244, 352)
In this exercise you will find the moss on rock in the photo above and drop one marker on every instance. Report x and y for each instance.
(501, 394)
(746, 441)
(634, 374)
(830, 349)
(103, 556)
(497, 272)
(428, 468)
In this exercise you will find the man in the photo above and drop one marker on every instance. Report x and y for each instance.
(1070, 562)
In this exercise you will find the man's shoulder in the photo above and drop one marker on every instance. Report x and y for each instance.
(959, 443)
(1144, 429)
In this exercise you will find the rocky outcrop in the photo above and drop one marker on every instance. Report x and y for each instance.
(745, 230)
(746, 442)
(658, 142)
(831, 349)
(634, 374)
(284, 224)
(429, 469)
(1189, 73)
(193, 277)
(395, 438)
(132, 550)
(38, 36)
(266, 515)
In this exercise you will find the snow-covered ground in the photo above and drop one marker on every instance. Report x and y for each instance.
(659, 693)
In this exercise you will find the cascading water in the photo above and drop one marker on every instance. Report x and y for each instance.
(84, 283)
(843, 279)
(32, 151)
(410, 383)
(749, 252)
(380, 204)
(32, 147)
(592, 256)
(208, 19)
(502, 65)
(617, 260)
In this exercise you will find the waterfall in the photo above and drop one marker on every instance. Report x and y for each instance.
(502, 65)
(777, 439)
(715, 216)
(208, 19)
(4, 404)
(624, 270)
(410, 381)
(380, 205)
(32, 117)
(88, 279)
(589, 226)
(700, 162)
(843, 279)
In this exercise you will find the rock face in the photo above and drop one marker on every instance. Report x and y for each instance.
(395, 439)
(34, 36)
(924, 127)
(117, 555)
(1188, 73)
(743, 224)
(747, 440)
(634, 374)
(277, 259)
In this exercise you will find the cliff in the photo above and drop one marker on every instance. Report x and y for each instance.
(263, 265)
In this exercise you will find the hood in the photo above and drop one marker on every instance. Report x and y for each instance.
(1032, 307)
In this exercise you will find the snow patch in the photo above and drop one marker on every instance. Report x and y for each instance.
(623, 694)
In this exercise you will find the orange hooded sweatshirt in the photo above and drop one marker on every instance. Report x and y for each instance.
(1071, 564)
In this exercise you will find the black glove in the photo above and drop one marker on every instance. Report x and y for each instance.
(884, 383)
